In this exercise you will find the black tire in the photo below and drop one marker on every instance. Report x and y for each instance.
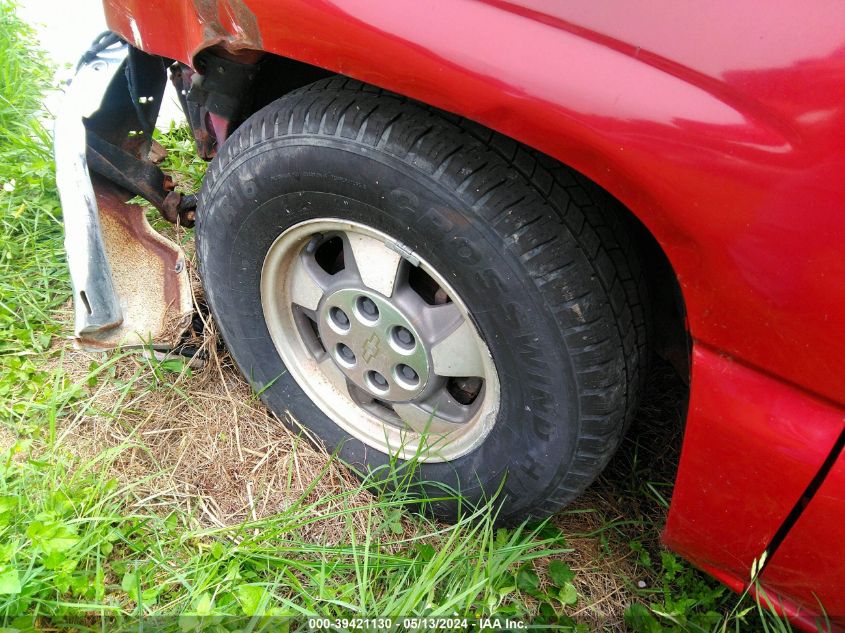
(541, 257)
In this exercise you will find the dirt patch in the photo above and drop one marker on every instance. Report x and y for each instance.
(7, 439)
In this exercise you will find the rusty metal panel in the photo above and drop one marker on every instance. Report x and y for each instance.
(131, 286)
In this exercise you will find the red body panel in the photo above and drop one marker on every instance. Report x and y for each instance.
(721, 125)
(751, 447)
(817, 542)
(729, 146)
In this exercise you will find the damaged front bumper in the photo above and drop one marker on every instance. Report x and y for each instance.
(131, 285)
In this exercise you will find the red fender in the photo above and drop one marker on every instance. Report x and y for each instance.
(720, 125)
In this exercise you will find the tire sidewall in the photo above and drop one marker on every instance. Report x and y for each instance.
(281, 182)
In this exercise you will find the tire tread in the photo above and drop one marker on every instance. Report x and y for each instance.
(562, 227)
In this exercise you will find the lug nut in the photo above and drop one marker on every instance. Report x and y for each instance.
(368, 308)
(403, 337)
(340, 318)
(407, 373)
(379, 381)
(345, 353)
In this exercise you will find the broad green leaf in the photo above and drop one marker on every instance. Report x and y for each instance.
(560, 573)
(10, 582)
(8, 502)
(426, 552)
(639, 619)
(527, 580)
(130, 584)
(54, 560)
(59, 544)
(568, 594)
(250, 598)
(203, 604)
(150, 596)
(7, 549)
(52, 537)
(175, 366)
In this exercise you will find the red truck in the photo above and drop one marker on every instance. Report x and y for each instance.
(457, 232)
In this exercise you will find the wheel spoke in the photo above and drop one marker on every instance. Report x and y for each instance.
(458, 353)
(304, 286)
(377, 265)
(438, 321)
(423, 421)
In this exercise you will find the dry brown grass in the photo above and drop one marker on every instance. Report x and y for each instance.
(201, 441)
(7, 439)
(616, 510)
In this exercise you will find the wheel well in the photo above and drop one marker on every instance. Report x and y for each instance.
(671, 339)
(278, 76)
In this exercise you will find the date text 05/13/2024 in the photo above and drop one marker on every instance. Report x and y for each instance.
(416, 624)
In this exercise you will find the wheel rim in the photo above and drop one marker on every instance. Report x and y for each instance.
(378, 340)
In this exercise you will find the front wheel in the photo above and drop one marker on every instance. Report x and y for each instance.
(407, 285)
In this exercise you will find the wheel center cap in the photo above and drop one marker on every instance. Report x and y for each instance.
(372, 341)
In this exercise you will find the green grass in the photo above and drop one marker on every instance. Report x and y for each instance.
(76, 546)
(72, 549)
(31, 256)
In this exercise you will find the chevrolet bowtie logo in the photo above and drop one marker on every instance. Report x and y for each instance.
(371, 346)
